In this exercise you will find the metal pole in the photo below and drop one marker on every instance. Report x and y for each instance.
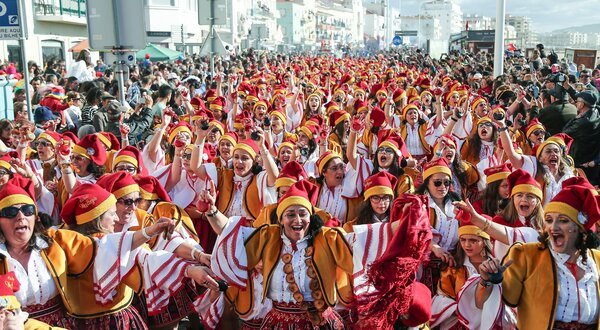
(24, 67)
(182, 41)
(212, 40)
(119, 52)
(499, 42)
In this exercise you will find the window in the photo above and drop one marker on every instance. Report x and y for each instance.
(162, 2)
(52, 49)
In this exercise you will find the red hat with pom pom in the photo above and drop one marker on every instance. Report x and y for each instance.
(92, 148)
(88, 202)
(303, 193)
(131, 155)
(578, 203)
(437, 166)
(497, 173)
(17, 190)
(381, 183)
(151, 189)
(520, 181)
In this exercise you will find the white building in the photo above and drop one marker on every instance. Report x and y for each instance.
(526, 37)
(376, 32)
(166, 19)
(297, 21)
(448, 13)
(339, 23)
(428, 29)
(53, 26)
(478, 22)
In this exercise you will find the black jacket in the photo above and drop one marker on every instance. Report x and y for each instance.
(555, 116)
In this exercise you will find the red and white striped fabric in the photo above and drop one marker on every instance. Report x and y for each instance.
(107, 275)
(210, 312)
(356, 177)
(514, 235)
(229, 260)
(442, 310)
(368, 243)
(163, 274)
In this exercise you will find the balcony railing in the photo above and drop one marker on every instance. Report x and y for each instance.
(73, 8)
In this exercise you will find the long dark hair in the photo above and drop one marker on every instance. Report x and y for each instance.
(585, 240)
(395, 169)
(460, 255)
(366, 213)
(491, 198)
(39, 230)
(475, 140)
(96, 170)
(316, 223)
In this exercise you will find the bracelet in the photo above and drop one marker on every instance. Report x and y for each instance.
(212, 214)
(146, 236)
(194, 249)
(487, 225)
(484, 283)
(185, 273)
(454, 118)
(503, 129)
(66, 171)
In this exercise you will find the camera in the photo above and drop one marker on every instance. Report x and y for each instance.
(498, 115)
(204, 125)
(522, 122)
(534, 89)
(266, 122)
(558, 78)
(254, 136)
(304, 152)
(459, 114)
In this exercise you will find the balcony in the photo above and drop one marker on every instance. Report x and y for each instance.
(60, 11)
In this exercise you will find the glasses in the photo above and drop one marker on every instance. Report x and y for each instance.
(386, 150)
(538, 132)
(4, 172)
(584, 76)
(293, 215)
(378, 199)
(78, 158)
(438, 183)
(186, 156)
(336, 168)
(486, 124)
(12, 211)
(129, 201)
(214, 130)
(130, 169)
(44, 143)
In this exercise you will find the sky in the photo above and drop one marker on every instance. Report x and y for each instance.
(546, 15)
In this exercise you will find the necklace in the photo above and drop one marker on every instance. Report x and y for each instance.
(318, 306)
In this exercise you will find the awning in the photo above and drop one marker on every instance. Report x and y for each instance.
(83, 44)
(157, 53)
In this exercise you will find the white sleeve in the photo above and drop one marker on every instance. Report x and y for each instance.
(443, 309)
(529, 165)
(150, 165)
(267, 195)
(514, 235)
(210, 312)
(229, 260)
(463, 126)
(433, 133)
(114, 259)
(368, 243)
(354, 182)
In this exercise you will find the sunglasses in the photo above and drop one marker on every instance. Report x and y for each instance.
(12, 211)
(336, 168)
(4, 172)
(78, 158)
(386, 150)
(186, 156)
(44, 143)
(538, 132)
(486, 124)
(129, 201)
(438, 183)
(214, 130)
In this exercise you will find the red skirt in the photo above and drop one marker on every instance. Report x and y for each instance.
(251, 325)
(126, 319)
(180, 306)
(432, 272)
(290, 316)
(53, 313)
(558, 325)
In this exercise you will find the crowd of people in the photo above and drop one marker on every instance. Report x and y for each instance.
(281, 191)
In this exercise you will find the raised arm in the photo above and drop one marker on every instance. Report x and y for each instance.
(496, 231)
(351, 153)
(267, 160)
(515, 159)
(154, 144)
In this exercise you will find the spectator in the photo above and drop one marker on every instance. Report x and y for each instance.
(164, 96)
(555, 116)
(82, 68)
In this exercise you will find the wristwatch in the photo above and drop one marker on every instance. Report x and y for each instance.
(502, 129)
(212, 214)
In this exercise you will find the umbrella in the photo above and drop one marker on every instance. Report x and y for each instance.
(157, 53)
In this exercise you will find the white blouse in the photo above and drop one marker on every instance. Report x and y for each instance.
(332, 201)
(37, 284)
(445, 233)
(413, 140)
(577, 299)
(278, 287)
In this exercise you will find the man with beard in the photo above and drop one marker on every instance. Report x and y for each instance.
(585, 131)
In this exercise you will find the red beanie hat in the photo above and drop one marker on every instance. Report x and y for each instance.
(68, 135)
(119, 184)
(302, 193)
(291, 173)
(497, 173)
(109, 140)
(395, 142)
(231, 137)
(521, 181)
(17, 190)
(377, 117)
(131, 155)
(249, 146)
(534, 125)
(579, 203)
(88, 202)
(326, 157)
(338, 117)
(50, 136)
(381, 183)
(181, 127)
(92, 148)
(437, 166)
(151, 189)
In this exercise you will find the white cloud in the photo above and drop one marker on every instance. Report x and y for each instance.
(546, 15)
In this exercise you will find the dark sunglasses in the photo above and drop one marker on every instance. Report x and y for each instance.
(386, 150)
(129, 201)
(4, 172)
(214, 130)
(538, 132)
(186, 156)
(487, 124)
(12, 211)
(44, 143)
(438, 183)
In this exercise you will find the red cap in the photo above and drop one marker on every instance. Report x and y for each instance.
(68, 135)
(302, 193)
(131, 155)
(119, 184)
(181, 127)
(51, 137)
(534, 125)
(360, 106)
(395, 142)
(409, 107)
(398, 95)
(497, 173)
(520, 181)
(377, 117)
(92, 148)
(330, 107)
(445, 139)
(381, 183)
(248, 146)
(151, 189)
(579, 181)
(562, 140)
(218, 103)
(231, 137)
(88, 202)
(579, 203)
(326, 157)
(109, 140)
(291, 173)
(17, 190)
(197, 103)
(338, 117)
(419, 311)
(437, 166)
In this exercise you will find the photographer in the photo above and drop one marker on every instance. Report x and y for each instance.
(555, 116)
